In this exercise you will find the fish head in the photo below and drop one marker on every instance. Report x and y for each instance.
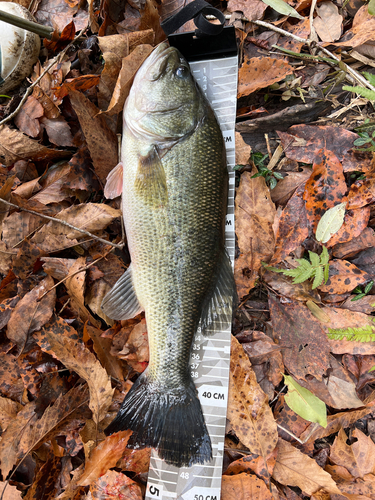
(164, 103)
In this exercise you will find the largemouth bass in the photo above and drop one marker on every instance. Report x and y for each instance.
(174, 197)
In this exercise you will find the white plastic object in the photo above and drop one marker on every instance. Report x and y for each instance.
(19, 49)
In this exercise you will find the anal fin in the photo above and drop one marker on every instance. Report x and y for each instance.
(150, 181)
(121, 302)
(218, 307)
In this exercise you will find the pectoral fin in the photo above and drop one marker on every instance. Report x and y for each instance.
(113, 185)
(150, 182)
(121, 302)
(218, 306)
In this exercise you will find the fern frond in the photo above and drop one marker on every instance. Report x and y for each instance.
(319, 277)
(362, 91)
(360, 334)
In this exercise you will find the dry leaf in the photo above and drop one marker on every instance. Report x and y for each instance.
(328, 23)
(115, 485)
(259, 72)
(358, 458)
(30, 314)
(104, 456)
(244, 487)
(54, 339)
(294, 468)
(248, 409)
(254, 214)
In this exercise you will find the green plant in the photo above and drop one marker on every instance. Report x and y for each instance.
(317, 268)
(270, 177)
(360, 334)
(359, 293)
(365, 140)
(362, 91)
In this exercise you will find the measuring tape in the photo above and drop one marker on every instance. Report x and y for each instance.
(210, 356)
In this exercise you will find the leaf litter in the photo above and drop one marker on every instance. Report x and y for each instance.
(301, 415)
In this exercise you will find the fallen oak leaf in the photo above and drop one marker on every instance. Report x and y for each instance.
(54, 339)
(358, 458)
(114, 485)
(243, 487)
(104, 456)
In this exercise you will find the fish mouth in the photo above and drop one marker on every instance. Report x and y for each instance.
(158, 61)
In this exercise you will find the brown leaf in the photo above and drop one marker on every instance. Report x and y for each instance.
(325, 188)
(328, 23)
(305, 142)
(8, 411)
(302, 338)
(80, 84)
(365, 305)
(355, 221)
(286, 187)
(30, 314)
(11, 384)
(102, 347)
(293, 227)
(14, 145)
(76, 286)
(5, 194)
(243, 487)
(358, 458)
(11, 438)
(60, 14)
(284, 285)
(135, 460)
(294, 468)
(259, 72)
(346, 250)
(18, 226)
(104, 456)
(254, 463)
(362, 30)
(252, 9)
(130, 66)
(46, 482)
(114, 485)
(254, 214)
(243, 150)
(10, 493)
(335, 423)
(343, 277)
(58, 131)
(54, 339)
(27, 119)
(362, 192)
(136, 351)
(248, 409)
(101, 141)
(90, 217)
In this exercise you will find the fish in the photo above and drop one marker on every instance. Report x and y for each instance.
(174, 183)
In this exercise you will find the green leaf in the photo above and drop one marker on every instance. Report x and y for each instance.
(283, 8)
(372, 369)
(330, 223)
(369, 286)
(324, 257)
(273, 183)
(361, 141)
(326, 273)
(314, 258)
(369, 76)
(278, 175)
(318, 280)
(362, 91)
(359, 296)
(371, 11)
(304, 403)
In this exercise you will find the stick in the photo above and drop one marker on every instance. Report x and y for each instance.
(29, 90)
(73, 274)
(352, 75)
(20, 22)
(54, 219)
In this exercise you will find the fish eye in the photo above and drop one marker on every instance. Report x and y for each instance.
(182, 72)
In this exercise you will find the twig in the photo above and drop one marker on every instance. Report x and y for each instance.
(312, 35)
(29, 90)
(54, 219)
(73, 274)
(352, 75)
(20, 22)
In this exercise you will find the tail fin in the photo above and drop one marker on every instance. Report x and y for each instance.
(172, 422)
